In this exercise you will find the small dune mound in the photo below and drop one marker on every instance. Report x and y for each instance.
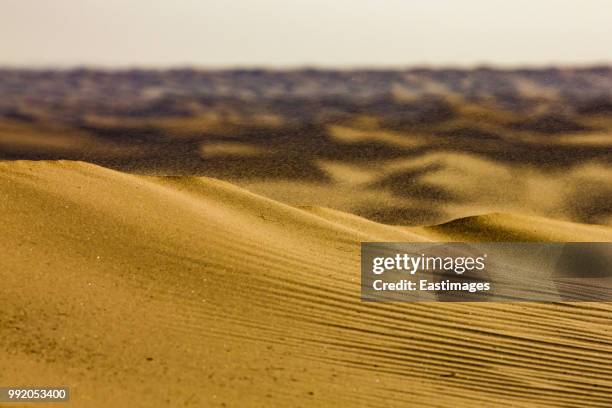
(514, 228)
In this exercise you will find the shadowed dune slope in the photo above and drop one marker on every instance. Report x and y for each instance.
(144, 291)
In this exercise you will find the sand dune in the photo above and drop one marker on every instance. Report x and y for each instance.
(410, 161)
(187, 291)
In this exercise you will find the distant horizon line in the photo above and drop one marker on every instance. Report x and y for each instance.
(307, 67)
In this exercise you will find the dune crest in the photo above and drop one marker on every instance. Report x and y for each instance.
(228, 298)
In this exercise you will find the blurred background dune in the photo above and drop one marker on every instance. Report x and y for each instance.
(375, 143)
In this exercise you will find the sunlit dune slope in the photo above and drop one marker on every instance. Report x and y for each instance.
(142, 291)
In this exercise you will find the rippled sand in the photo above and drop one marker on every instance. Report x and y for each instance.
(189, 291)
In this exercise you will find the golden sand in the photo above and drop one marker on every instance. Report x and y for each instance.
(187, 291)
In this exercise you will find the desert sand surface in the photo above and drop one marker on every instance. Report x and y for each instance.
(139, 290)
(190, 237)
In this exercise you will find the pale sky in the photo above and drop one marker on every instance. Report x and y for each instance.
(286, 33)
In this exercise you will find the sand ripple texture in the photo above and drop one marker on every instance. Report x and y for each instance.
(158, 291)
